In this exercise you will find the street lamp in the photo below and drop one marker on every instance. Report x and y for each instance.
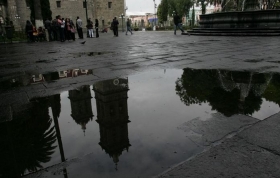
(193, 14)
(17, 16)
(154, 14)
(203, 6)
(122, 23)
(85, 6)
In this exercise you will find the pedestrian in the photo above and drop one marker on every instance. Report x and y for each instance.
(48, 28)
(90, 29)
(79, 26)
(96, 28)
(53, 29)
(116, 27)
(61, 21)
(128, 26)
(57, 27)
(177, 23)
(73, 30)
(68, 29)
(29, 31)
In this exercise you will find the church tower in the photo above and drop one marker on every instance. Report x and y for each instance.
(112, 116)
(81, 105)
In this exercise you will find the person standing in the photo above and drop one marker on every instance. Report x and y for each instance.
(29, 31)
(62, 29)
(96, 25)
(128, 26)
(79, 25)
(48, 28)
(73, 30)
(116, 27)
(177, 23)
(90, 29)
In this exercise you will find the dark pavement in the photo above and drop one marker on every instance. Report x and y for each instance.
(22, 64)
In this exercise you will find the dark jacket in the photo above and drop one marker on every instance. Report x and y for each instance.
(177, 19)
(28, 28)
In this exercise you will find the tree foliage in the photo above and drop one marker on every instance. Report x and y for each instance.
(168, 7)
(201, 86)
(45, 9)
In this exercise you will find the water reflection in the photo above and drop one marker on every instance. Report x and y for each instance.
(27, 141)
(228, 92)
(112, 116)
(81, 109)
(34, 78)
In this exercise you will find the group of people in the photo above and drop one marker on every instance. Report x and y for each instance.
(60, 29)
(115, 26)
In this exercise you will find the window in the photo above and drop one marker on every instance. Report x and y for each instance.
(27, 3)
(109, 5)
(84, 4)
(58, 4)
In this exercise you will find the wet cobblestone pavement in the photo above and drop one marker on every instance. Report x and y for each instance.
(134, 106)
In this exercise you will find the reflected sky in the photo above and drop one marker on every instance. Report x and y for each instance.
(140, 116)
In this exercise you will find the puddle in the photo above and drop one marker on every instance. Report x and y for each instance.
(35, 78)
(130, 127)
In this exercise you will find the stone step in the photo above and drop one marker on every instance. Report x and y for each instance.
(230, 34)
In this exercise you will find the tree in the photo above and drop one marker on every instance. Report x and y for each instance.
(162, 11)
(182, 7)
(40, 9)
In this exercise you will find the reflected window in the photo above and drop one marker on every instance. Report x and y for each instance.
(58, 4)
(27, 3)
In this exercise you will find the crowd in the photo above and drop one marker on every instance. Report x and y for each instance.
(60, 29)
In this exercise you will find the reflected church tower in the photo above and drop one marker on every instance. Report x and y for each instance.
(112, 116)
(81, 109)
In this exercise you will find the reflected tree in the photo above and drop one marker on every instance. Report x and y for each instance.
(272, 92)
(27, 141)
(226, 91)
(195, 86)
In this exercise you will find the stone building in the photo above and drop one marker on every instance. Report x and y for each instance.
(18, 11)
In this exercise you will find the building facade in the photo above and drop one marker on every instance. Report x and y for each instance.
(18, 11)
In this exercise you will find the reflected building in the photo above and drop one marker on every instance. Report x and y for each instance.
(112, 116)
(81, 109)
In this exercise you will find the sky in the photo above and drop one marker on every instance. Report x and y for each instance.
(141, 5)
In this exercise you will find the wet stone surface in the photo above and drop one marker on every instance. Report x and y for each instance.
(137, 126)
(137, 106)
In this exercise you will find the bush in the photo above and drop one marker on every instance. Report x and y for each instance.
(136, 28)
(149, 28)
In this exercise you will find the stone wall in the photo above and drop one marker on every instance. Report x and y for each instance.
(69, 9)
(244, 19)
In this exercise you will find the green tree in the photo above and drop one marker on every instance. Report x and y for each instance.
(182, 7)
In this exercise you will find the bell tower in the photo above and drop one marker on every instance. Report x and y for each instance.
(112, 116)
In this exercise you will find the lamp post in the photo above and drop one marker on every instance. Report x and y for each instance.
(122, 23)
(203, 6)
(86, 10)
(193, 15)
(154, 17)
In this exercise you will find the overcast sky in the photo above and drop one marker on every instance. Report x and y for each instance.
(141, 5)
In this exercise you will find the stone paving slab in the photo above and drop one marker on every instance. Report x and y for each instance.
(265, 134)
(254, 152)
(234, 158)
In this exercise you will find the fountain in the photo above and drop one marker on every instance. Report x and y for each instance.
(241, 18)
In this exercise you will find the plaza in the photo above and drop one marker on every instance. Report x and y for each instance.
(162, 129)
